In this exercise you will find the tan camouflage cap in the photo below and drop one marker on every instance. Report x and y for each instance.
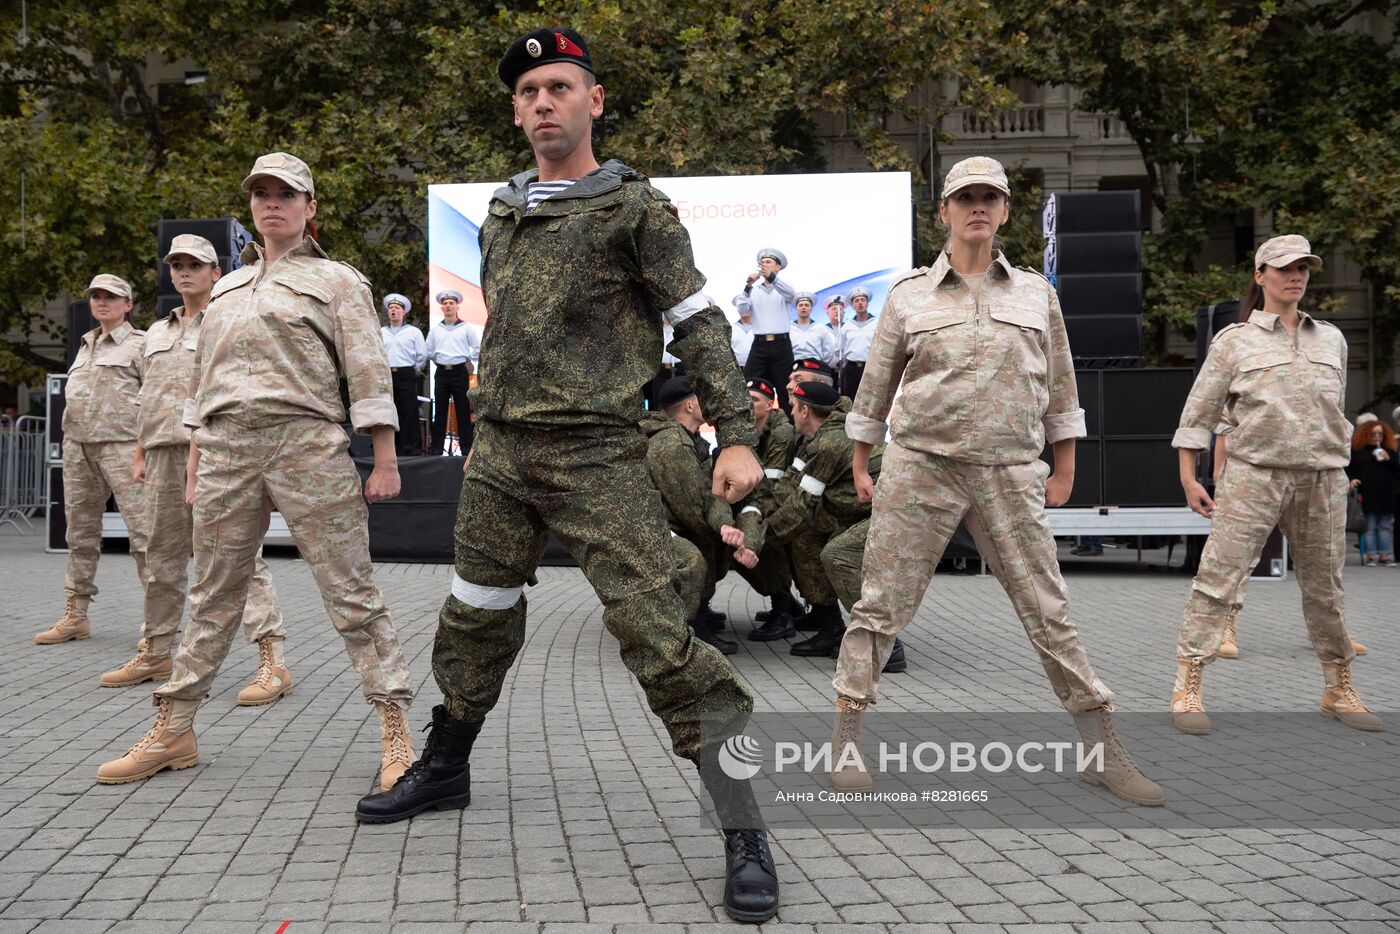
(976, 170)
(1281, 251)
(109, 283)
(194, 247)
(285, 166)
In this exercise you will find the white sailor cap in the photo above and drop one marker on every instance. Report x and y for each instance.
(445, 294)
(775, 253)
(395, 297)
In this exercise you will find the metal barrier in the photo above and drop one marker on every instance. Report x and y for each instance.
(23, 477)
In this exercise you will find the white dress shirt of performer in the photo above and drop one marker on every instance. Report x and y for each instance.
(813, 340)
(856, 335)
(769, 299)
(452, 346)
(741, 336)
(407, 351)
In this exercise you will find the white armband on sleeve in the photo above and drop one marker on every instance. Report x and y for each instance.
(752, 509)
(773, 473)
(812, 485)
(685, 308)
(799, 464)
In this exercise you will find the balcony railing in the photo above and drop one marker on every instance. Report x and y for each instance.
(1025, 120)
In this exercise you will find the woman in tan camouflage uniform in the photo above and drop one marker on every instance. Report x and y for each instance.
(266, 410)
(1279, 378)
(977, 348)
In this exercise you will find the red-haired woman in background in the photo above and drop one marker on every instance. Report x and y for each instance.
(1375, 475)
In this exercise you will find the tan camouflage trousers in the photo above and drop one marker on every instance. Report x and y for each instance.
(919, 502)
(92, 473)
(1310, 507)
(300, 467)
(171, 525)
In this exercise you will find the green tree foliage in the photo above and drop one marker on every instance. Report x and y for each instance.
(383, 97)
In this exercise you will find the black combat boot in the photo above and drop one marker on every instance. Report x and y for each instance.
(705, 634)
(750, 878)
(829, 633)
(779, 626)
(441, 779)
(783, 601)
(711, 617)
(897, 661)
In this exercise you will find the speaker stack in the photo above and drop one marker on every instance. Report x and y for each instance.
(1093, 257)
(226, 233)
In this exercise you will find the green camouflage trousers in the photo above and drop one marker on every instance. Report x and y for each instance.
(919, 502)
(1310, 507)
(805, 554)
(301, 468)
(91, 473)
(689, 571)
(171, 525)
(590, 487)
(842, 559)
(771, 575)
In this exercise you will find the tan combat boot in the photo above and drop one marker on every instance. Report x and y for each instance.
(850, 776)
(273, 681)
(396, 743)
(1357, 647)
(73, 624)
(1119, 773)
(144, 667)
(1228, 647)
(169, 744)
(1188, 710)
(1340, 700)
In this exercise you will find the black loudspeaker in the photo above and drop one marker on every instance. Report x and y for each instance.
(55, 519)
(165, 304)
(1103, 339)
(1092, 253)
(226, 233)
(1140, 472)
(417, 524)
(1074, 212)
(54, 405)
(1146, 401)
(80, 321)
(1210, 321)
(1088, 472)
(1117, 293)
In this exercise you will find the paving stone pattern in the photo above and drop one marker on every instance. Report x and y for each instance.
(582, 821)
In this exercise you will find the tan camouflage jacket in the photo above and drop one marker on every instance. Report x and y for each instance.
(169, 364)
(575, 295)
(1283, 392)
(986, 378)
(104, 383)
(276, 340)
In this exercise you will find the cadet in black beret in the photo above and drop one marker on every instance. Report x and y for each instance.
(674, 391)
(543, 47)
(822, 395)
(763, 388)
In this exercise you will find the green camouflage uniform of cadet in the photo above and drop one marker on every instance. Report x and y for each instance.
(1284, 393)
(581, 281)
(99, 445)
(694, 514)
(824, 522)
(266, 410)
(772, 576)
(165, 442)
(985, 381)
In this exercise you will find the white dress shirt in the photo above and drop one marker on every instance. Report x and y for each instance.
(741, 339)
(855, 340)
(815, 340)
(405, 346)
(453, 343)
(772, 305)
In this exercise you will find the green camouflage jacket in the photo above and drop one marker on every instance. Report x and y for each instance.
(819, 491)
(683, 479)
(775, 450)
(575, 294)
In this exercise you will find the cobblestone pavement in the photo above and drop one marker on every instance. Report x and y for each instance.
(581, 819)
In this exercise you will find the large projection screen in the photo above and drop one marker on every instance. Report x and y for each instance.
(837, 230)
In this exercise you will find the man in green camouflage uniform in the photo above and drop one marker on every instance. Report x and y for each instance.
(580, 264)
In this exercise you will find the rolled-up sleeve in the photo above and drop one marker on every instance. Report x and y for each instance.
(1063, 418)
(889, 352)
(1205, 406)
(363, 361)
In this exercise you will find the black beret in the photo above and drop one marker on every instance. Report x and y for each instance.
(816, 393)
(810, 365)
(763, 388)
(673, 391)
(543, 47)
